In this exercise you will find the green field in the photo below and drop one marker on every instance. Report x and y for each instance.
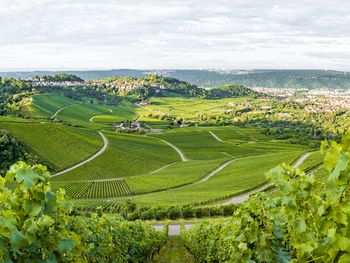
(312, 161)
(127, 155)
(82, 113)
(240, 175)
(90, 189)
(87, 114)
(58, 145)
(179, 173)
(45, 105)
(187, 107)
(147, 168)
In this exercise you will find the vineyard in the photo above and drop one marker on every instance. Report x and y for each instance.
(93, 189)
(45, 231)
(58, 145)
(307, 221)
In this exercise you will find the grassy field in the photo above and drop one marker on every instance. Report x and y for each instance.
(127, 155)
(87, 114)
(45, 105)
(188, 107)
(82, 113)
(59, 145)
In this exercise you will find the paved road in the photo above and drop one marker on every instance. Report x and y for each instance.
(212, 173)
(301, 160)
(216, 137)
(242, 198)
(59, 110)
(181, 154)
(104, 147)
(174, 229)
(161, 168)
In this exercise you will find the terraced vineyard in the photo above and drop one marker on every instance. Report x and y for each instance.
(60, 146)
(94, 189)
(45, 105)
(168, 167)
(127, 155)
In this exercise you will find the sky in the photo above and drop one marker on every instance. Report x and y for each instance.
(174, 34)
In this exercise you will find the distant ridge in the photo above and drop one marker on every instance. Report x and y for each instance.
(271, 78)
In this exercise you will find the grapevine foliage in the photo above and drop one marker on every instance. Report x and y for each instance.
(36, 225)
(307, 222)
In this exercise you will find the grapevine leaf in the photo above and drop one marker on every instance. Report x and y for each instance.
(343, 243)
(18, 239)
(65, 245)
(341, 165)
(344, 258)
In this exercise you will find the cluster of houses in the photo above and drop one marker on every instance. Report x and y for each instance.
(124, 85)
(45, 83)
(134, 126)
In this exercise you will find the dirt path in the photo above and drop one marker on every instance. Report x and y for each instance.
(104, 147)
(174, 251)
(216, 137)
(60, 109)
(181, 154)
(242, 198)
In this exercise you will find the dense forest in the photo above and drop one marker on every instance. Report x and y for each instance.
(12, 94)
(59, 77)
(11, 151)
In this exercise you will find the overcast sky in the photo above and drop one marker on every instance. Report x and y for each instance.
(150, 34)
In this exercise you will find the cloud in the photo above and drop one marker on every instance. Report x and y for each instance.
(173, 34)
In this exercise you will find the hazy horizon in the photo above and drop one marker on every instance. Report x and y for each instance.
(176, 34)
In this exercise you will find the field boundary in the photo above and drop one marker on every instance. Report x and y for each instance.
(104, 147)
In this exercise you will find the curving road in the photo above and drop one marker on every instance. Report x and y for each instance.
(174, 229)
(60, 109)
(104, 147)
(181, 154)
(242, 198)
(216, 137)
(301, 160)
(214, 172)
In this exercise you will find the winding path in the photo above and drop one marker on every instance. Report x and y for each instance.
(60, 109)
(104, 147)
(174, 229)
(215, 171)
(216, 137)
(242, 198)
(181, 154)
(301, 160)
